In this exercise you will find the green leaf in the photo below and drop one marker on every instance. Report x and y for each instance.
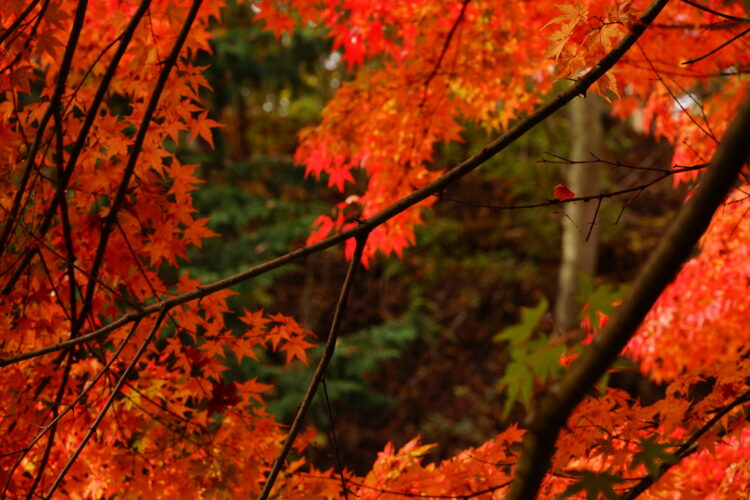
(598, 298)
(518, 383)
(652, 456)
(530, 317)
(593, 483)
(544, 358)
(530, 360)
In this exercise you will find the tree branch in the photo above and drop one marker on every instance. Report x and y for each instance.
(111, 219)
(598, 197)
(39, 18)
(15, 24)
(44, 462)
(445, 48)
(52, 424)
(715, 12)
(715, 50)
(54, 104)
(319, 371)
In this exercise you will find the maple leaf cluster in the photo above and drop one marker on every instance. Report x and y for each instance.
(94, 202)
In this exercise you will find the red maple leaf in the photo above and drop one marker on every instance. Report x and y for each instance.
(562, 193)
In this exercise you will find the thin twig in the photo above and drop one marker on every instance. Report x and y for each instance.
(595, 160)
(599, 197)
(676, 100)
(319, 371)
(593, 219)
(336, 448)
(445, 46)
(715, 12)
(714, 51)
(425, 496)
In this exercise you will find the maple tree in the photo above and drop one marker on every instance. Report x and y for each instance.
(115, 378)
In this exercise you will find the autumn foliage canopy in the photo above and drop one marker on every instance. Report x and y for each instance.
(113, 376)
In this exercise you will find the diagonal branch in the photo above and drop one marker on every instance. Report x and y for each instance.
(44, 462)
(65, 261)
(447, 43)
(15, 24)
(715, 50)
(585, 199)
(319, 371)
(580, 87)
(551, 413)
(37, 21)
(111, 219)
(715, 12)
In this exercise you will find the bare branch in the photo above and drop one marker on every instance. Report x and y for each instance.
(715, 12)
(715, 50)
(595, 197)
(319, 371)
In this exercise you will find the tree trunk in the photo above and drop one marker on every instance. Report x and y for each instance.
(580, 235)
